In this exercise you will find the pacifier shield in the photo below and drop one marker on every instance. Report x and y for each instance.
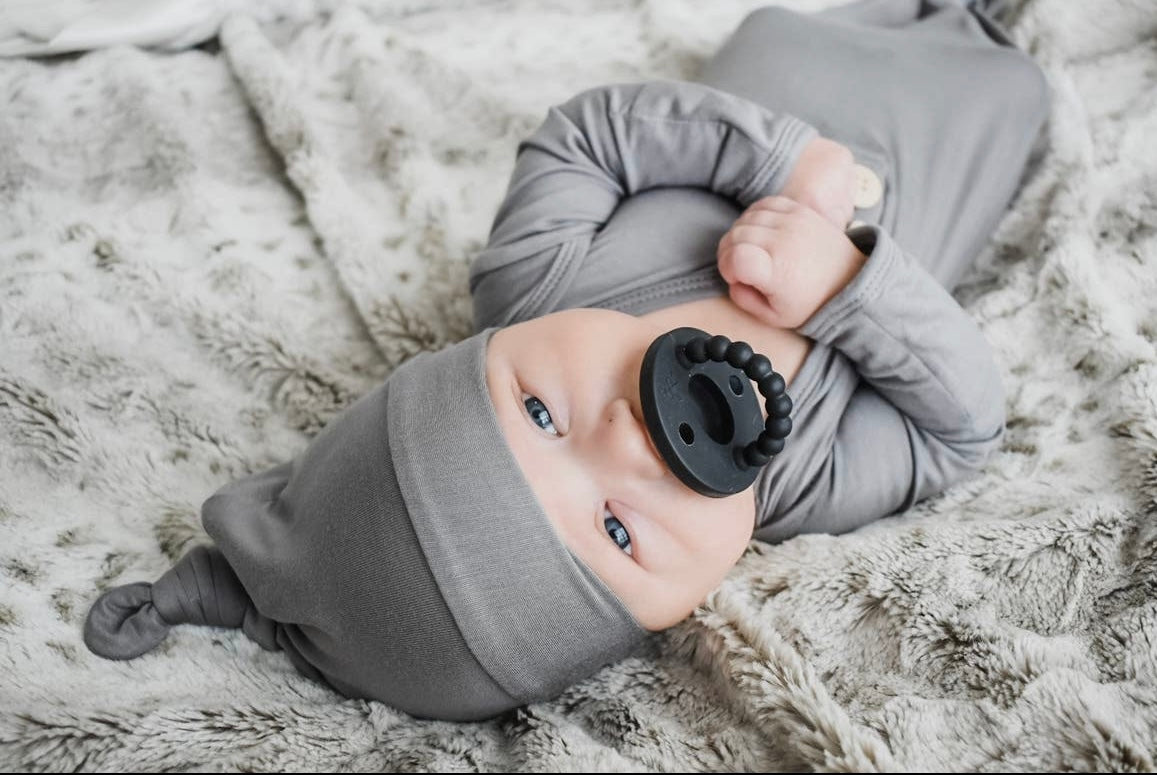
(701, 416)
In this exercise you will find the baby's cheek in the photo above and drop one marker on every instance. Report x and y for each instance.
(736, 522)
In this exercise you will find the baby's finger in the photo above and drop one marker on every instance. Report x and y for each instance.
(746, 264)
(769, 218)
(724, 263)
(753, 233)
(774, 203)
(726, 242)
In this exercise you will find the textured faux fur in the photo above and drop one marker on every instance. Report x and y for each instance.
(205, 255)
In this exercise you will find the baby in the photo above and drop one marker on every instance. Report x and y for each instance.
(494, 522)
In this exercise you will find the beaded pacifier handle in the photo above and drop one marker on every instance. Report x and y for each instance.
(703, 416)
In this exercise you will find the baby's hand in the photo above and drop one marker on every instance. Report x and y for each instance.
(783, 261)
(824, 179)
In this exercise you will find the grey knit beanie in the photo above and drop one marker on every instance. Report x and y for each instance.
(401, 557)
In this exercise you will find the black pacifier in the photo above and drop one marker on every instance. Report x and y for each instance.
(702, 413)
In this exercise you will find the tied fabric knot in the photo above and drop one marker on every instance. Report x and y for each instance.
(130, 620)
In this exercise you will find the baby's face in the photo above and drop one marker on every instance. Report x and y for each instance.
(565, 387)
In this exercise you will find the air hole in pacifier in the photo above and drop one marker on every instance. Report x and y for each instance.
(714, 415)
(736, 385)
(686, 434)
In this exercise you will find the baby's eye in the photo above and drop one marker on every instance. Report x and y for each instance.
(539, 413)
(617, 532)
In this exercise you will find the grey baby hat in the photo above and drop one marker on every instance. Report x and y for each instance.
(401, 557)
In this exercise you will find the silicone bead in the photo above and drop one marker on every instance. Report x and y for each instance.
(779, 406)
(753, 457)
(738, 354)
(696, 349)
(768, 445)
(717, 347)
(778, 427)
(773, 385)
(759, 367)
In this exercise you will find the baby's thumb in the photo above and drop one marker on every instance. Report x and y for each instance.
(753, 302)
(130, 620)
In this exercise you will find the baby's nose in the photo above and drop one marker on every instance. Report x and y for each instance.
(628, 445)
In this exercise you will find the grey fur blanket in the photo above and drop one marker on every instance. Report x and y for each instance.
(205, 255)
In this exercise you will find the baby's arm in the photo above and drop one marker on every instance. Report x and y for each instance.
(904, 398)
(608, 143)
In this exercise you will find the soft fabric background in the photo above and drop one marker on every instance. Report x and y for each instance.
(205, 255)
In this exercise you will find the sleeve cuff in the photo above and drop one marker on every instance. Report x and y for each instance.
(793, 136)
(884, 258)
